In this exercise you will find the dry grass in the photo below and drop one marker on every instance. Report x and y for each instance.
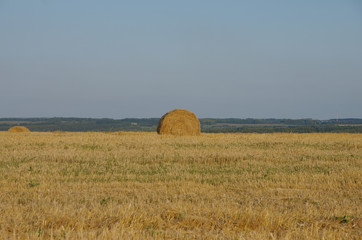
(179, 122)
(215, 186)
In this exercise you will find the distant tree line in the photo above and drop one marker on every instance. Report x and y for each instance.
(289, 129)
(305, 121)
(211, 125)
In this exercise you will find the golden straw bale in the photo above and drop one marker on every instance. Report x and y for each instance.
(179, 122)
(18, 129)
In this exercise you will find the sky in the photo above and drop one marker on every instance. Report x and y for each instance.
(219, 59)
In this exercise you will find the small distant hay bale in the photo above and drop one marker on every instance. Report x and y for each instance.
(179, 122)
(19, 129)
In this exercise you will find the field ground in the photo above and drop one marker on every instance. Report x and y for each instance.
(126, 185)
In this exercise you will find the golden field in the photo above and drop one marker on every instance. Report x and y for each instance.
(126, 185)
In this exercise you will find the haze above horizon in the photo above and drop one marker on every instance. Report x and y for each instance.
(219, 59)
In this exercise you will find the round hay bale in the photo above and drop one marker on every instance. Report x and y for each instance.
(179, 122)
(18, 129)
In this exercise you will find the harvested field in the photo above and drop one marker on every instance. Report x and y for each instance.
(128, 185)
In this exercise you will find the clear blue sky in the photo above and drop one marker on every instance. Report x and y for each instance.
(230, 58)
